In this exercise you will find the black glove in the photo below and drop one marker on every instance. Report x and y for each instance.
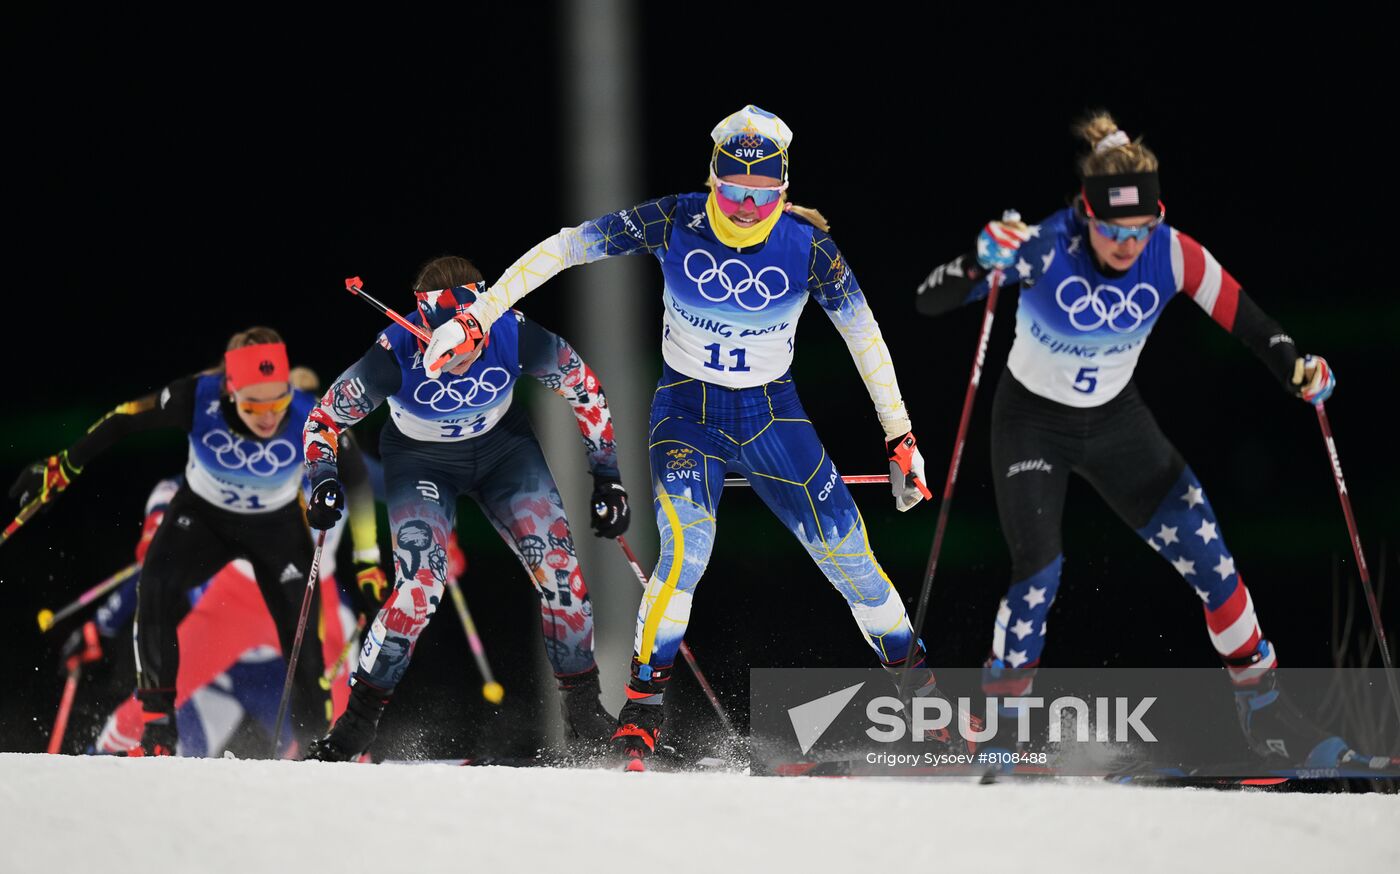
(610, 511)
(324, 509)
(43, 479)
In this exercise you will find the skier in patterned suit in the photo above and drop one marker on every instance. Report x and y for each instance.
(458, 433)
(738, 264)
(1093, 280)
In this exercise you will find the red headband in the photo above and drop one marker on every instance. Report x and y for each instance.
(264, 362)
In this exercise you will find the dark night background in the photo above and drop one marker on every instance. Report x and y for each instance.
(164, 192)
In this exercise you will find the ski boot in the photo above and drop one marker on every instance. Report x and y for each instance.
(920, 683)
(587, 726)
(159, 736)
(354, 731)
(1277, 731)
(639, 721)
(999, 682)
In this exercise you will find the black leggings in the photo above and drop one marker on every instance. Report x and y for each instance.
(194, 541)
(1036, 443)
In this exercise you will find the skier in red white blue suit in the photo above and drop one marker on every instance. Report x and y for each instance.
(1093, 279)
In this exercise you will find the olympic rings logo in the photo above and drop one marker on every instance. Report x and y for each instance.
(465, 391)
(721, 274)
(680, 459)
(265, 459)
(1108, 305)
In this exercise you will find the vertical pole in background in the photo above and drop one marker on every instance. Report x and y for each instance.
(609, 306)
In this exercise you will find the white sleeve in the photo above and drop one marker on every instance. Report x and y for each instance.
(531, 270)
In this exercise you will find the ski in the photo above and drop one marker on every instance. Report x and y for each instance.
(1250, 776)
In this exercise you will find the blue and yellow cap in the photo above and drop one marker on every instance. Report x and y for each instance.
(751, 142)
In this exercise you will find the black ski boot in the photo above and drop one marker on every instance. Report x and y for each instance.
(354, 731)
(587, 726)
(639, 722)
(1277, 731)
(920, 683)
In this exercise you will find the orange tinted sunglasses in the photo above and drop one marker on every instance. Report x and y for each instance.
(275, 406)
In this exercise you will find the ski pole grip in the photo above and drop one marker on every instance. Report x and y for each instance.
(923, 489)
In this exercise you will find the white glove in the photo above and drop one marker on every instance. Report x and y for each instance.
(457, 337)
(907, 473)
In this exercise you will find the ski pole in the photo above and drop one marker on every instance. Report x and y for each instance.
(685, 650)
(311, 580)
(853, 480)
(25, 515)
(1372, 604)
(48, 618)
(356, 287)
(351, 642)
(490, 689)
(945, 504)
(65, 706)
(92, 651)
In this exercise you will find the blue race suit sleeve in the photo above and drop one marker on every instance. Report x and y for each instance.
(963, 281)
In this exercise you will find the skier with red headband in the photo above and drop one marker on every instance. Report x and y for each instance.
(739, 264)
(1094, 278)
(241, 498)
(231, 669)
(459, 433)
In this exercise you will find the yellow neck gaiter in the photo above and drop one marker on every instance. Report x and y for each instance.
(734, 236)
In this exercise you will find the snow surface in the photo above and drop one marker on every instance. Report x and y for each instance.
(109, 815)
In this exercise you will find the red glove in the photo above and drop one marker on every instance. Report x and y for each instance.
(83, 646)
(456, 558)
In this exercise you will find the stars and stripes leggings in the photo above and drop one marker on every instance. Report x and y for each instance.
(1119, 448)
